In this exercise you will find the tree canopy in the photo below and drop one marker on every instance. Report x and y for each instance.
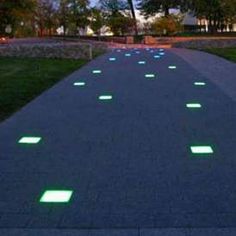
(12, 12)
(152, 7)
(74, 16)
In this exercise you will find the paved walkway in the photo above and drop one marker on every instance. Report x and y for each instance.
(220, 71)
(121, 232)
(128, 159)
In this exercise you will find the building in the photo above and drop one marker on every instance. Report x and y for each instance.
(191, 23)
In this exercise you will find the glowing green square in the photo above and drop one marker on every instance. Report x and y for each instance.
(150, 76)
(81, 84)
(127, 54)
(29, 140)
(172, 67)
(112, 59)
(193, 105)
(201, 149)
(56, 196)
(142, 62)
(97, 71)
(199, 83)
(105, 97)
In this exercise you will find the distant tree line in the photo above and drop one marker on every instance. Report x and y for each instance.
(218, 13)
(44, 17)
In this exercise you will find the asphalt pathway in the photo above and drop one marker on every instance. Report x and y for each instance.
(128, 159)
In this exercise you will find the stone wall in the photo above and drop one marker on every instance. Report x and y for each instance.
(53, 50)
(206, 43)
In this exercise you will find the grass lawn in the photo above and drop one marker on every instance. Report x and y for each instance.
(21, 80)
(227, 53)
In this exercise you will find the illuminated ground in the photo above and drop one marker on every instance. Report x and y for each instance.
(127, 160)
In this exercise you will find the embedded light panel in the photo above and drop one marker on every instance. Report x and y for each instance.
(105, 97)
(193, 105)
(80, 84)
(172, 67)
(30, 140)
(201, 149)
(142, 62)
(157, 56)
(127, 54)
(199, 83)
(97, 71)
(149, 75)
(56, 196)
(112, 59)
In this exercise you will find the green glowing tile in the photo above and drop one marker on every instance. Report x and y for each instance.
(105, 97)
(172, 67)
(142, 62)
(150, 76)
(201, 149)
(127, 54)
(97, 71)
(112, 59)
(157, 56)
(199, 83)
(81, 84)
(30, 140)
(193, 105)
(56, 196)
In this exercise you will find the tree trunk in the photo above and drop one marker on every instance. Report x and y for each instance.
(166, 10)
(130, 2)
(41, 31)
(215, 24)
(64, 30)
(210, 25)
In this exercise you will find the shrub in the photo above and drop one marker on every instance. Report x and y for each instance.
(167, 25)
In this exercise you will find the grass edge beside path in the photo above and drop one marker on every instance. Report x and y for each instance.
(23, 79)
(227, 53)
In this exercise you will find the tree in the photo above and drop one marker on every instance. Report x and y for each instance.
(113, 7)
(96, 21)
(152, 7)
(63, 15)
(169, 25)
(216, 12)
(131, 6)
(117, 16)
(79, 14)
(208, 9)
(120, 24)
(45, 16)
(229, 11)
(12, 13)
